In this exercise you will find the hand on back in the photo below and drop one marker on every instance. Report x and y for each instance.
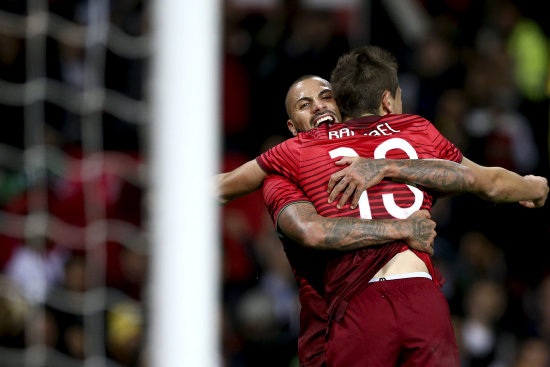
(353, 180)
(422, 231)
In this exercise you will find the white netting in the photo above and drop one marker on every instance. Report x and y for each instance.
(73, 248)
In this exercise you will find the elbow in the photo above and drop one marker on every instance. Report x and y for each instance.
(303, 225)
(469, 178)
(312, 236)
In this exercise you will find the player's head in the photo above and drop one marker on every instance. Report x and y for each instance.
(310, 102)
(365, 82)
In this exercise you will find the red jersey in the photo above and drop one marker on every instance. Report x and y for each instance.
(308, 160)
(308, 267)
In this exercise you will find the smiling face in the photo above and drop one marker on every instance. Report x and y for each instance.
(310, 102)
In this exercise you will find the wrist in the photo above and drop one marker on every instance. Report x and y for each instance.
(405, 229)
(390, 168)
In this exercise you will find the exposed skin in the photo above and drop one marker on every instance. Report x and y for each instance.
(241, 181)
(363, 173)
(301, 223)
(489, 183)
(309, 103)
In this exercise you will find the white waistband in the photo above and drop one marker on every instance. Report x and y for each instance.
(416, 274)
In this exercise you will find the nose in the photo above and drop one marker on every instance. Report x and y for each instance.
(319, 104)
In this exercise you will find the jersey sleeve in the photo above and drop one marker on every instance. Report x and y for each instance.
(279, 192)
(282, 159)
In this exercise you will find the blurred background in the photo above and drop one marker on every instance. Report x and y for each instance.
(74, 149)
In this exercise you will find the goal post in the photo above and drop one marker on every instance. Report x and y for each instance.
(185, 118)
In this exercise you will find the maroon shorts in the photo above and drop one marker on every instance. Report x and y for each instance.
(402, 322)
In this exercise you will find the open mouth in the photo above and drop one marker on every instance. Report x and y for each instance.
(327, 117)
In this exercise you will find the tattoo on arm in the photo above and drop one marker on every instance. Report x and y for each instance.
(301, 223)
(443, 176)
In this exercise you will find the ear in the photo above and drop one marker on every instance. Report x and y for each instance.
(387, 103)
(291, 127)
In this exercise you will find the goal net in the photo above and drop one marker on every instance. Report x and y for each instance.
(96, 147)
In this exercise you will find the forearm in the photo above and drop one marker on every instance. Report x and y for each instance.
(301, 223)
(436, 174)
(500, 185)
(239, 182)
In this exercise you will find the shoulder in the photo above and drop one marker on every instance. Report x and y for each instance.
(405, 117)
(416, 122)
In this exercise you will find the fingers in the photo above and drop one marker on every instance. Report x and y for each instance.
(528, 204)
(355, 199)
(334, 179)
(344, 161)
(340, 187)
(345, 196)
(430, 249)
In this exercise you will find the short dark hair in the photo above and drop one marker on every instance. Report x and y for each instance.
(360, 78)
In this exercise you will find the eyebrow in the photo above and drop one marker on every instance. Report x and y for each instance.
(306, 98)
(302, 99)
(325, 92)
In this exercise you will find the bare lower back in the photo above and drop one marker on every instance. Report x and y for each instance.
(403, 262)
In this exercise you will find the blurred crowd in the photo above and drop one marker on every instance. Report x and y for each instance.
(73, 250)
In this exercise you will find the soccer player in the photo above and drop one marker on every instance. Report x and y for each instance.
(405, 316)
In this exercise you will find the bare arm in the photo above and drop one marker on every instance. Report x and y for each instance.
(437, 174)
(301, 223)
(239, 182)
(500, 185)
(489, 183)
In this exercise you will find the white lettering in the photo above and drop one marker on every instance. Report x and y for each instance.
(389, 127)
(364, 205)
(346, 132)
(389, 200)
(340, 133)
(383, 131)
